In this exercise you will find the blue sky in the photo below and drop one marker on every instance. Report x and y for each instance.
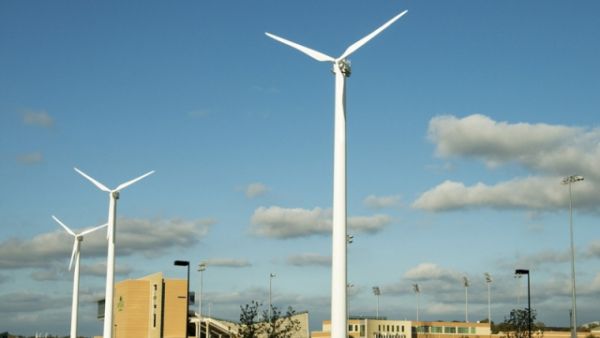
(463, 117)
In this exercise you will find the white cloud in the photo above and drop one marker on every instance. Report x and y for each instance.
(227, 263)
(309, 259)
(135, 236)
(39, 118)
(381, 202)
(30, 158)
(256, 189)
(278, 222)
(549, 152)
(431, 271)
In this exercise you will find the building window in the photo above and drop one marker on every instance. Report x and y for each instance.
(402, 328)
(436, 329)
(362, 330)
(448, 329)
(473, 330)
(350, 327)
(463, 330)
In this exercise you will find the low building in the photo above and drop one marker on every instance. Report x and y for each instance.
(385, 328)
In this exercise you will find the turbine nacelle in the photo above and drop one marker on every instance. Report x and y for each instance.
(113, 193)
(340, 63)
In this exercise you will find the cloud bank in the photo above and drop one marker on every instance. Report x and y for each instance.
(283, 223)
(548, 152)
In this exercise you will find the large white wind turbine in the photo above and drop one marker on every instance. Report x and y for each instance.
(341, 69)
(77, 239)
(110, 260)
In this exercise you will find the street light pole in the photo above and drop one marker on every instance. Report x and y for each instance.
(201, 268)
(466, 284)
(377, 292)
(568, 181)
(526, 272)
(417, 292)
(271, 275)
(488, 281)
(187, 296)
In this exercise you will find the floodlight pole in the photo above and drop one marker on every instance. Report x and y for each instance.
(488, 281)
(466, 283)
(201, 269)
(568, 181)
(377, 292)
(417, 292)
(271, 275)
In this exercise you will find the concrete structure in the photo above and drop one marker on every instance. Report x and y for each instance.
(383, 328)
(155, 307)
(151, 306)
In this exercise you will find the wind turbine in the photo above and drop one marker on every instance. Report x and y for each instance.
(77, 239)
(341, 69)
(110, 234)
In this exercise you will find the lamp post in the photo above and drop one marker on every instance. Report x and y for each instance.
(377, 292)
(417, 292)
(526, 272)
(568, 181)
(348, 286)
(201, 268)
(271, 275)
(187, 296)
(488, 281)
(466, 284)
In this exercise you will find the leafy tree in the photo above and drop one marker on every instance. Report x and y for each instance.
(249, 324)
(517, 325)
(274, 326)
(278, 326)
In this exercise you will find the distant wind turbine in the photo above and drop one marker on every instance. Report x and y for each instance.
(110, 260)
(77, 239)
(341, 69)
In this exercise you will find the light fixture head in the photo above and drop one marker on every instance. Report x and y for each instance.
(376, 291)
(488, 277)
(572, 179)
(202, 266)
(521, 272)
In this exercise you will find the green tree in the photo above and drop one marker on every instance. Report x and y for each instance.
(517, 325)
(280, 326)
(274, 326)
(249, 324)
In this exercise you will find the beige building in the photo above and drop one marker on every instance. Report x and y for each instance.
(383, 328)
(151, 306)
(155, 307)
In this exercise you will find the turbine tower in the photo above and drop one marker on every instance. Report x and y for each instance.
(77, 239)
(110, 260)
(341, 69)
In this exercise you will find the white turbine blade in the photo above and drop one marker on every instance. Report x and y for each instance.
(64, 226)
(96, 183)
(126, 184)
(366, 39)
(75, 244)
(310, 52)
(83, 233)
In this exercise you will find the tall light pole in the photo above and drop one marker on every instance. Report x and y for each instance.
(526, 272)
(568, 181)
(377, 292)
(348, 286)
(201, 268)
(488, 281)
(271, 275)
(466, 284)
(417, 292)
(187, 296)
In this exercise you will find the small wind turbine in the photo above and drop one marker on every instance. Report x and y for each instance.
(341, 69)
(77, 239)
(110, 260)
